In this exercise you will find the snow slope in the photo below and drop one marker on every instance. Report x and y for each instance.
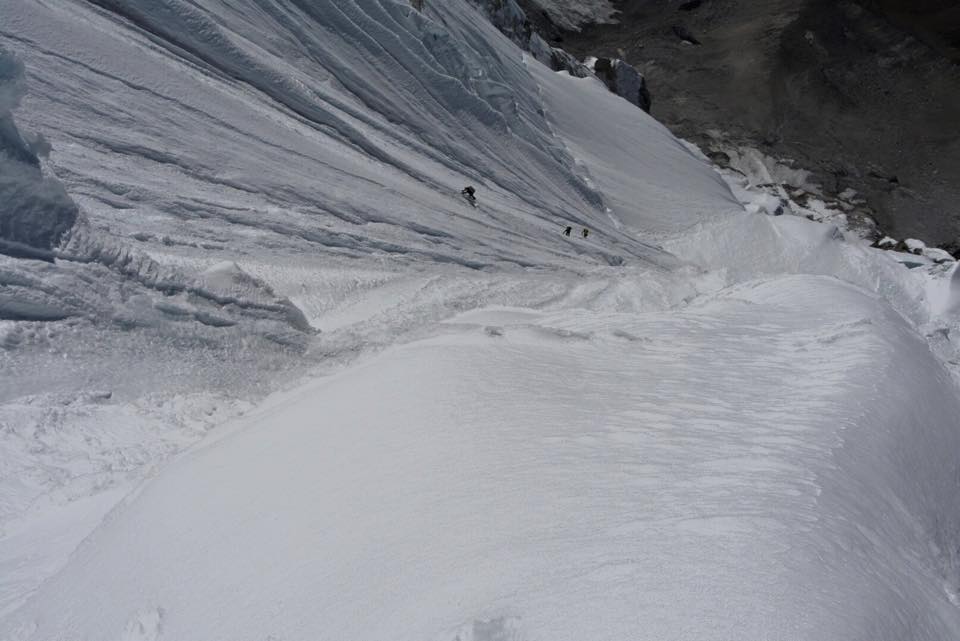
(220, 200)
(689, 475)
(697, 423)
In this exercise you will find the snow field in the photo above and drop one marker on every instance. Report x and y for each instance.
(566, 474)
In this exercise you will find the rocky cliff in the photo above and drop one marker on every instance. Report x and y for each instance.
(865, 94)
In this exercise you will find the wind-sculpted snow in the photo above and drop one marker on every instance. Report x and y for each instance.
(431, 99)
(724, 472)
(194, 133)
(387, 58)
(39, 220)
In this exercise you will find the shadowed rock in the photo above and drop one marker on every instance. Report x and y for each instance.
(866, 94)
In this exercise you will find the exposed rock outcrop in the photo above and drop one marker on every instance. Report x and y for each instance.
(623, 80)
(864, 93)
(511, 19)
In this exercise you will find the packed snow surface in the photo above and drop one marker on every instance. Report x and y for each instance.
(278, 380)
(523, 470)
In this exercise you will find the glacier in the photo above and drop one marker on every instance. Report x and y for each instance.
(266, 375)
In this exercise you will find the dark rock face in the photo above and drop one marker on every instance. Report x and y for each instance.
(623, 80)
(864, 93)
(682, 32)
(541, 22)
(559, 60)
(952, 248)
(935, 22)
(511, 17)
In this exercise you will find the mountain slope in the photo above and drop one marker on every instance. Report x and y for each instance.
(695, 422)
(864, 94)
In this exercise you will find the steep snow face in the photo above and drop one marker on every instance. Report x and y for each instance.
(613, 153)
(248, 174)
(292, 134)
(192, 133)
(325, 88)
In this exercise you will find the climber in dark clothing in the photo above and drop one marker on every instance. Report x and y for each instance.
(586, 232)
(469, 193)
(566, 232)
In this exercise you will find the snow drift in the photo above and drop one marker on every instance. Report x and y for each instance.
(749, 472)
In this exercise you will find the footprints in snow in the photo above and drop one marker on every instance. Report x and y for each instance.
(555, 334)
(496, 629)
(145, 626)
(537, 332)
(530, 326)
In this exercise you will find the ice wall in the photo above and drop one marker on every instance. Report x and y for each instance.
(35, 210)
